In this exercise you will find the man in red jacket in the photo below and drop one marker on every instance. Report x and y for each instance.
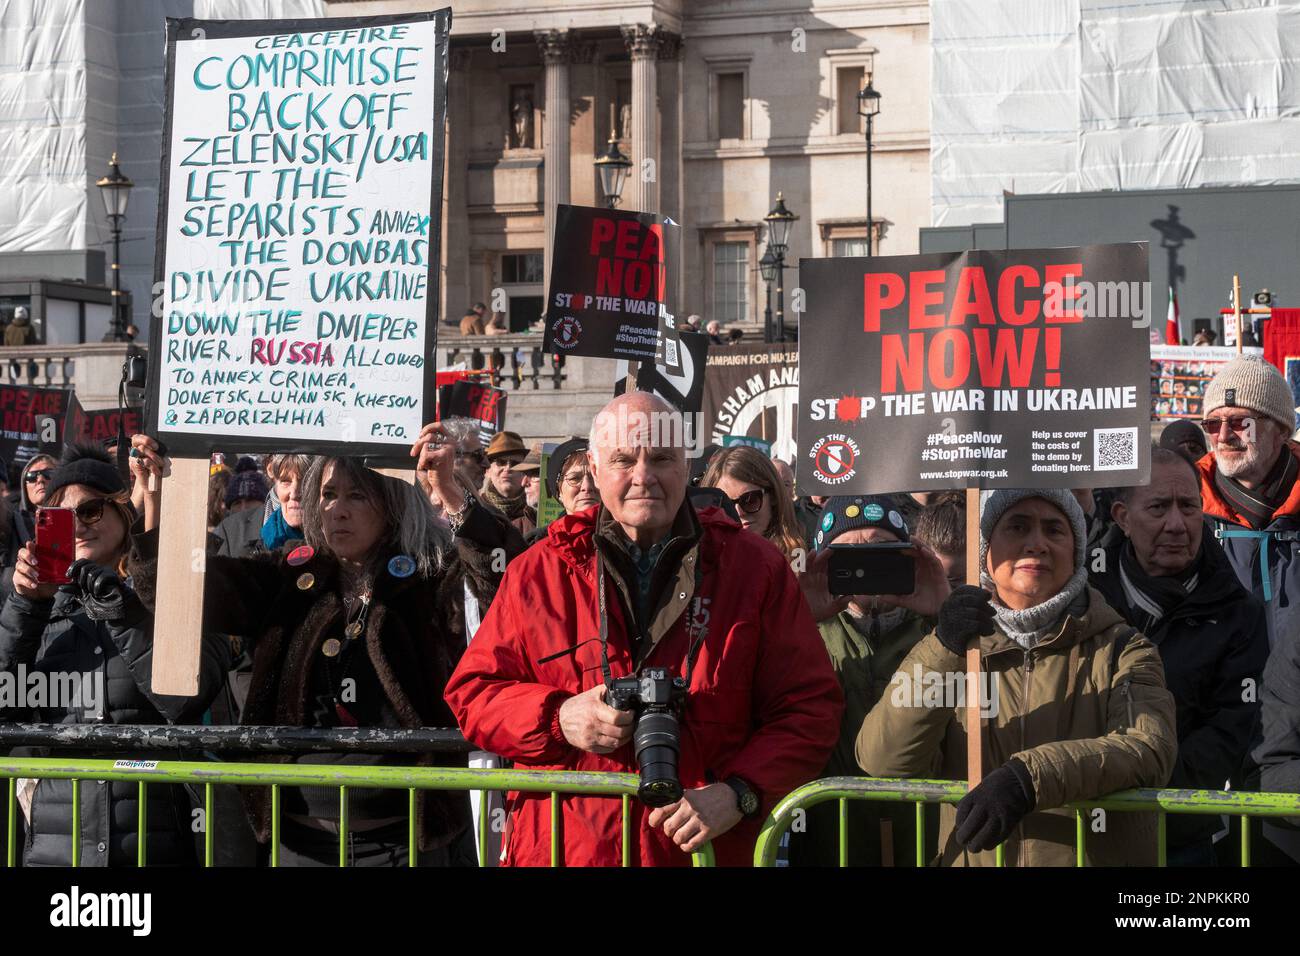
(689, 592)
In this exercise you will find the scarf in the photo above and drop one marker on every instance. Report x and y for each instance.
(512, 507)
(1152, 598)
(276, 531)
(1031, 625)
(1257, 506)
(875, 623)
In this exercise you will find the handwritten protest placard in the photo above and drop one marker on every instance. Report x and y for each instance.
(610, 293)
(1023, 368)
(298, 233)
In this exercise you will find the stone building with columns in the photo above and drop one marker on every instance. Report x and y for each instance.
(720, 104)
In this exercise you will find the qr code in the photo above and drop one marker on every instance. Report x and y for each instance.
(670, 353)
(1114, 449)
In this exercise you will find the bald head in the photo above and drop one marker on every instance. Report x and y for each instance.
(636, 419)
(638, 456)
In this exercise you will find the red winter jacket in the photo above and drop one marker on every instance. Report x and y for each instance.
(763, 703)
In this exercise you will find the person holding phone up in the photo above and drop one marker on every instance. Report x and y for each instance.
(864, 552)
(83, 627)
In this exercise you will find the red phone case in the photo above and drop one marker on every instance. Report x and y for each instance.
(56, 543)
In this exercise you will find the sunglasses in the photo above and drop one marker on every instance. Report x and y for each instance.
(1237, 423)
(750, 501)
(91, 510)
(35, 476)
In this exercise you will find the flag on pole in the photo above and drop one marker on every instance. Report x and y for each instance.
(1171, 320)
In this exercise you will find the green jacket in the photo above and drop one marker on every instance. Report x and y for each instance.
(865, 668)
(1083, 723)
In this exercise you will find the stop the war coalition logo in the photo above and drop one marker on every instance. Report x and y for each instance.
(834, 458)
(566, 329)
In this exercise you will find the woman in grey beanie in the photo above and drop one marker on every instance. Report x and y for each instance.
(1077, 706)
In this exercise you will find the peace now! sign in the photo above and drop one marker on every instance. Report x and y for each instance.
(988, 369)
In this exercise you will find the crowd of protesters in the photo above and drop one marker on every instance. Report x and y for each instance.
(1130, 637)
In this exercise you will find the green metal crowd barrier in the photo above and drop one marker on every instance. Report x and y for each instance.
(921, 792)
(344, 777)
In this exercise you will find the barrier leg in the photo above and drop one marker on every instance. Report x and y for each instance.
(1161, 844)
(142, 826)
(343, 826)
(844, 832)
(12, 824)
(555, 827)
(207, 824)
(412, 844)
(76, 822)
(627, 831)
(275, 824)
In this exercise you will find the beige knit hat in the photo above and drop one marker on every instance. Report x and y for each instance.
(1250, 382)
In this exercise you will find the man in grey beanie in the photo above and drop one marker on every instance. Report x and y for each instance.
(1250, 489)
(1250, 484)
(1082, 709)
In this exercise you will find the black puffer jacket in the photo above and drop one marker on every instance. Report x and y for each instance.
(1214, 646)
(115, 661)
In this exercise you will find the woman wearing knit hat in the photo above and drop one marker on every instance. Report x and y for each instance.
(1078, 705)
(97, 629)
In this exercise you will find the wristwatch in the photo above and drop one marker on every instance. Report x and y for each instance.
(746, 798)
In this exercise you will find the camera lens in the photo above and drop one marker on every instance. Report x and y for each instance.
(656, 744)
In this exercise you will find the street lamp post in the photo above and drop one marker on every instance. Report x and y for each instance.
(779, 221)
(612, 167)
(869, 107)
(115, 189)
(767, 268)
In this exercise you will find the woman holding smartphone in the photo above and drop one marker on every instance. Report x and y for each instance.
(93, 639)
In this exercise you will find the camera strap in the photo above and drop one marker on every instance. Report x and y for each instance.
(691, 653)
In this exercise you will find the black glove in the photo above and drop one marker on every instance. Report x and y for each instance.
(103, 595)
(965, 614)
(987, 815)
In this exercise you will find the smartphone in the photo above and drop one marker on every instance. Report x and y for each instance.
(56, 543)
(876, 568)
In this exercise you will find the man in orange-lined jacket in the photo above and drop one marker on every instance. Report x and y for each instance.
(688, 592)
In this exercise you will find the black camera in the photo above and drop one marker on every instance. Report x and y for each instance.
(657, 699)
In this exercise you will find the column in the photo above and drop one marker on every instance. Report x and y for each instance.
(641, 192)
(556, 54)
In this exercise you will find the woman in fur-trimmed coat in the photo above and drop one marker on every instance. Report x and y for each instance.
(360, 627)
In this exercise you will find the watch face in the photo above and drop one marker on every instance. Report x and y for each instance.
(748, 803)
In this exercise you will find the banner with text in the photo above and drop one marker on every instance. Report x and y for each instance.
(996, 369)
(298, 234)
(753, 389)
(610, 293)
(32, 421)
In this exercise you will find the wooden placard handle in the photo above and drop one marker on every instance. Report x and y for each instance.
(974, 729)
(182, 564)
(1236, 309)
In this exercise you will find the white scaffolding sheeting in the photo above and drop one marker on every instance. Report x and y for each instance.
(1075, 95)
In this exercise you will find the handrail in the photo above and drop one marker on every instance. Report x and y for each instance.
(1234, 802)
(226, 739)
